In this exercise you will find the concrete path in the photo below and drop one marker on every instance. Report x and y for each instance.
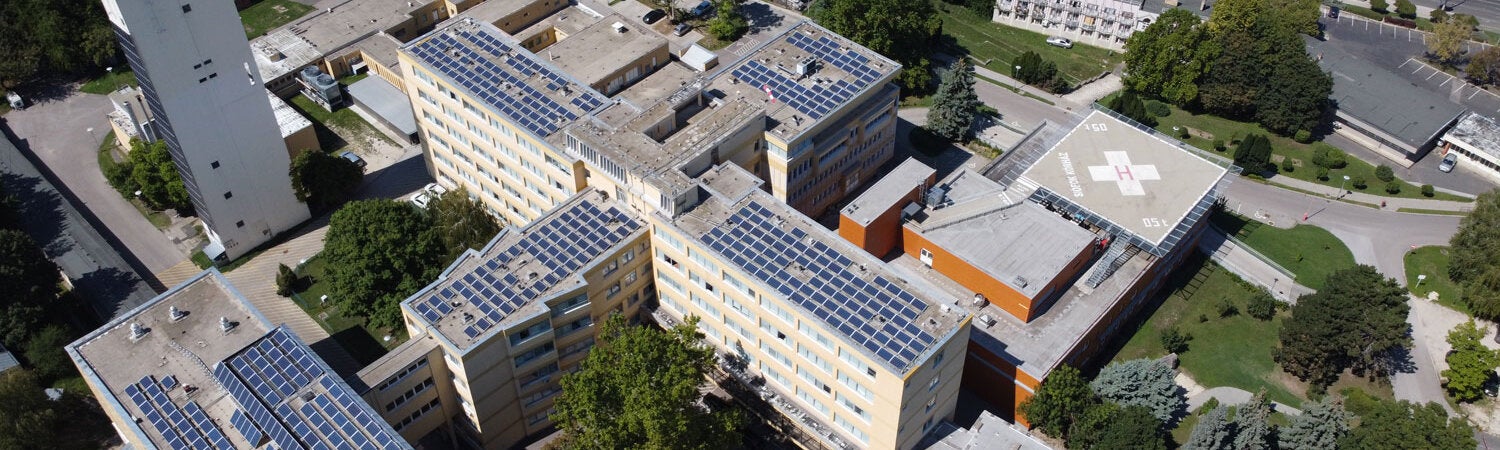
(57, 132)
(1430, 323)
(1197, 395)
(1391, 204)
(1251, 267)
(1098, 89)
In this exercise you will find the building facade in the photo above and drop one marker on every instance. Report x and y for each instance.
(208, 104)
(1102, 23)
(1475, 139)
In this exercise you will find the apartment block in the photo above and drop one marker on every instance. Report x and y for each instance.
(1053, 247)
(207, 102)
(199, 368)
(492, 337)
(856, 354)
(1102, 23)
(527, 119)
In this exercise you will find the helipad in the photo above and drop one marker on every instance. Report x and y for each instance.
(1132, 178)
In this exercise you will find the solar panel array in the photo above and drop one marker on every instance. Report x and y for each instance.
(558, 246)
(878, 315)
(185, 427)
(485, 66)
(818, 99)
(268, 377)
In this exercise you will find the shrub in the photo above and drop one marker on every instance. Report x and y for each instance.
(119, 177)
(1438, 15)
(1174, 340)
(1287, 166)
(286, 280)
(1329, 156)
(1322, 173)
(1384, 173)
(1358, 182)
(1393, 187)
(1202, 318)
(1427, 190)
(1219, 145)
(1261, 306)
(1227, 308)
(1183, 133)
(1157, 108)
(1406, 9)
(1400, 22)
(1380, 6)
(1302, 136)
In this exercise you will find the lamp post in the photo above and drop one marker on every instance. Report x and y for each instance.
(1341, 186)
(1420, 278)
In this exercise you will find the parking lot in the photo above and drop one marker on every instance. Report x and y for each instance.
(1402, 51)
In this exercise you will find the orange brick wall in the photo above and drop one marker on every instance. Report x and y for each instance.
(884, 233)
(1018, 305)
(1005, 389)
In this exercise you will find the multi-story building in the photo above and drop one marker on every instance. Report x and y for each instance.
(199, 368)
(493, 335)
(1105, 23)
(207, 103)
(861, 356)
(1056, 245)
(526, 121)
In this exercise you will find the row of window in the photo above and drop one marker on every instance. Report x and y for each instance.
(405, 372)
(408, 395)
(416, 415)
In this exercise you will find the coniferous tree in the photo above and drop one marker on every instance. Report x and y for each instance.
(954, 104)
(1213, 431)
(1321, 425)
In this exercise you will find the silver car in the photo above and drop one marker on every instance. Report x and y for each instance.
(1060, 41)
(1448, 162)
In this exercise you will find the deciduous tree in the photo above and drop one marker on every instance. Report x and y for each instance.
(902, 30)
(1401, 425)
(1295, 95)
(1133, 428)
(44, 352)
(321, 180)
(1060, 401)
(1475, 256)
(51, 37)
(156, 176)
(954, 104)
(639, 388)
(27, 419)
(461, 222)
(1447, 42)
(1142, 382)
(1167, 59)
(30, 282)
(1354, 322)
(1321, 425)
(1484, 67)
(380, 252)
(1470, 363)
(1213, 431)
(1254, 153)
(728, 23)
(1406, 9)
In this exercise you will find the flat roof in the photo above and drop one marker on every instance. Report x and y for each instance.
(854, 296)
(324, 31)
(1476, 133)
(887, 191)
(501, 74)
(1016, 242)
(840, 72)
(1376, 96)
(594, 54)
(386, 101)
(522, 268)
(287, 118)
(1132, 178)
(988, 432)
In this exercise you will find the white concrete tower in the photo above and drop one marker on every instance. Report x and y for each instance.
(198, 76)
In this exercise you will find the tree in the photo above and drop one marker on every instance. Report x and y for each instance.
(1406, 9)
(321, 180)
(1167, 58)
(1393, 425)
(728, 23)
(1142, 382)
(1380, 6)
(1261, 305)
(1061, 400)
(461, 222)
(1131, 427)
(1032, 69)
(954, 104)
(1295, 95)
(1437, 15)
(1474, 262)
(639, 388)
(1174, 340)
(52, 37)
(44, 352)
(10, 211)
(1253, 153)
(30, 281)
(1447, 42)
(1253, 425)
(1088, 427)
(1484, 67)
(1329, 156)
(1213, 431)
(902, 30)
(670, 6)
(1470, 363)
(1130, 105)
(156, 177)
(380, 252)
(1354, 322)
(27, 419)
(286, 280)
(1384, 173)
(1321, 425)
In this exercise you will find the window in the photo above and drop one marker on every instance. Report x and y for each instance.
(853, 385)
(737, 306)
(777, 310)
(628, 279)
(610, 267)
(771, 373)
(228, 195)
(213, 165)
(521, 336)
(931, 403)
(849, 405)
(735, 327)
(854, 361)
(405, 372)
(671, 283)
(854, 431)
(187, 9)
(932, 385)
(812, 378)
(405, 396)
(707, 308)
(812, 401)
(613, 290)
(926, 257)
(807, 354)
(807, 330)
(669, 239)
(766, 326)
(776, 355)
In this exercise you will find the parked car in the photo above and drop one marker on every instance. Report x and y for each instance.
(1333, 12)
(702, 8)
(353, 158)
(1060, 41)
(682, 28)
(1448, 162)
(654, 16)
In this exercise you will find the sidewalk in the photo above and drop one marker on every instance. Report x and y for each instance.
(1251, 267)
(1370, 200)
(1197, 395)
(1011, 83)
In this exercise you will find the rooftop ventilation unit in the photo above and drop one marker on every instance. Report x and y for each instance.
(619, 27)
(225, 325)
(175, 314)
(137, 331)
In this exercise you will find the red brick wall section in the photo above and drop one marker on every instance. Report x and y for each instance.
(1017, 304)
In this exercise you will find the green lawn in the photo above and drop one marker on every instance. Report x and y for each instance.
(995, 45)
(364, 344)
(1228, 351)
(344, 119)
(1209, 128)
(1432, 261)
(110, 82)
(107, 159)
(266, 15)
(1309, 252)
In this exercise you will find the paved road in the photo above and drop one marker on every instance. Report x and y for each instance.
(1487, 11)
(57, 133)
(1462, 179)
(1378, 238)
(100, 274)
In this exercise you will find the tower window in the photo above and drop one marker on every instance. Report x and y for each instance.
(240, 224)
(213, 165)
(187, 8)
(228, 195)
